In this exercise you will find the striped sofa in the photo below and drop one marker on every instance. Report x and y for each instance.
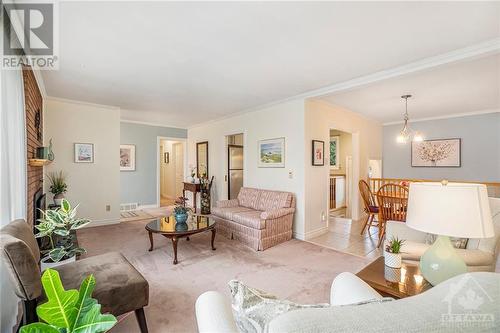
(258, 218)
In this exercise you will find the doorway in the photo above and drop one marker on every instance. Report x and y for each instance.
(234, 175)
(171, 166)
(341, 173)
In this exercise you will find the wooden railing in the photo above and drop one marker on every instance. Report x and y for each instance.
(376, 183)
(332, 192)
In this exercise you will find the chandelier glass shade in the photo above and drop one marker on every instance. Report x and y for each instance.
(406, 134)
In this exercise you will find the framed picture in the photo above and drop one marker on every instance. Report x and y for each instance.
(127, 157)
(436, 153)
(166, 157)
(272, 153)
(318, 152)
(335, 152)
(84, 152)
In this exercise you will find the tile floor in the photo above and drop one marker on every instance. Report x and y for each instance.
(344, 236)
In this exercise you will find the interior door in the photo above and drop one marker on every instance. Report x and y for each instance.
(235, 170)
(179, 168)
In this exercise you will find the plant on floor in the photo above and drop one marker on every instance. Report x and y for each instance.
(69, 311)
(58, 185)
(394, 245)
(58, 225)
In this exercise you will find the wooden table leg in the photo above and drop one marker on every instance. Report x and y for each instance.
(174, 243)
(150, 240)
(213, 239)
(187, 238)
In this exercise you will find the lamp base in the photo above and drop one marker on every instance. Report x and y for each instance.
(441, 262)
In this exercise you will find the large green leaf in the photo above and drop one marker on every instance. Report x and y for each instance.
(85, 302)
(65, 205)
(60, 307)
(93, 321)
(38, 328)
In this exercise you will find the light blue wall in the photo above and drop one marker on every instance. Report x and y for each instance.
(140, 185)
(480, 149)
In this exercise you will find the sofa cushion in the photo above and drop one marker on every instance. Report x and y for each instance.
(248, 197)
(227, 212)
(270, 200)
(120, 288)
(250, 219)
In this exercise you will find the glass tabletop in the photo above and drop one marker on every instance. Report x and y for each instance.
(195, 223)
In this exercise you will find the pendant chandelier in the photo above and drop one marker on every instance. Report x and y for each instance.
(406, 133)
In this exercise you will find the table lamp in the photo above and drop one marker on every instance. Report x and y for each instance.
(447, 210)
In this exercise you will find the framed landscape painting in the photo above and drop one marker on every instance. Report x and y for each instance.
(127, 157)
(318, 153)
(272, 153)
(436, 153)
(84, 152)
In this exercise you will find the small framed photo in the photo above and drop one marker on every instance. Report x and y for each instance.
(127, 157)
(166, 157)
(318, 153)
(272, 153)
(84, 152)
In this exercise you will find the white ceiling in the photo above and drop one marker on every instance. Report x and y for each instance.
(185, 63)
(464, 87)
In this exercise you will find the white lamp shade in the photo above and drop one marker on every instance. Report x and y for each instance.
(454, 209)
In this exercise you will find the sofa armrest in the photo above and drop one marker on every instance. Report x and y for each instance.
(276, 213)
(347, 288)
(402, 231)
(214, 313)
(227, 203)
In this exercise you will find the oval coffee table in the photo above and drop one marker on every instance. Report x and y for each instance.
(165, 226)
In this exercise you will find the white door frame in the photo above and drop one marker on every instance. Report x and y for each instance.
(158, 141)
(225, 168)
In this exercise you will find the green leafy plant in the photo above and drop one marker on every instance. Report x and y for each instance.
(57, 225)
(180, 209)
(394, 245)
(69, 311)
(57, 182)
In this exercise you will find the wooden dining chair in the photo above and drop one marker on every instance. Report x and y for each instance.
(371, 208)
(392, 202)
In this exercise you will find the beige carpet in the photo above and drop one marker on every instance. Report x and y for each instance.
(296, 270)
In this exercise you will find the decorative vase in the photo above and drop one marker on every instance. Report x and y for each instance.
(58, 198)
(44, 264)
(392, 259)
(205, 201)
(181, 226)
(181, 218)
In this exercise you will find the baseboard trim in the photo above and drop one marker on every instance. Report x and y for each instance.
(99, 223)
(147, 206)
(316, 233)
(310, 234)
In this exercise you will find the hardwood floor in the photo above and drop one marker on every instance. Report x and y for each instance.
(344, 235)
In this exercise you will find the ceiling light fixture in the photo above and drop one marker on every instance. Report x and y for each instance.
(406, 132)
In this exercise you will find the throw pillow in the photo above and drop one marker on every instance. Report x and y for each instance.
(457, 242)
(254, 309)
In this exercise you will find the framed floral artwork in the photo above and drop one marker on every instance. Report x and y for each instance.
(318, 153)
(84, 152)
(127, 157)
(444, 153)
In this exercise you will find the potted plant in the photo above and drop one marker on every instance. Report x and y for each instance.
(58, 186)
(181, 214)
(59, 226)
(69, 311)
(392, 255)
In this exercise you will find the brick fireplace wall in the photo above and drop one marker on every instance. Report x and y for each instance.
(32, 102)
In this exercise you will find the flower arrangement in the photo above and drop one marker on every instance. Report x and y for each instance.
(392, 255)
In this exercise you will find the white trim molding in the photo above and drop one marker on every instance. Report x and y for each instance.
(454, 115)
(66, 100)
(150, 124)
(310, 234)
(99, 223)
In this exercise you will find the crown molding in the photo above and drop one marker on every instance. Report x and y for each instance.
(454, 115)
(66, 100)
(467, 53)
(150, 124)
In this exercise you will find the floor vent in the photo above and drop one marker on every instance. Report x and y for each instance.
(128, 207)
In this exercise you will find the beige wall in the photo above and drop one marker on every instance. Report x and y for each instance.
(92, 185)
(320, 117)
(345, 143)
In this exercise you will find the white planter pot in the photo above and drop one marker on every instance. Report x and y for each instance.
(392, 259)
(44, 265)
(392, 274)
